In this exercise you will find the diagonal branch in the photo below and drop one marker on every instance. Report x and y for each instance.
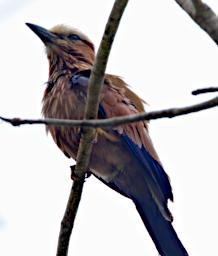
(116, 121)
(69, 217)
(85, 146)
(203, 15)
(95, 83)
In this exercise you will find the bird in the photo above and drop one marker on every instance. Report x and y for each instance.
(123, 157)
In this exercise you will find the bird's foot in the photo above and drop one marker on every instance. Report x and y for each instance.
(75, 177)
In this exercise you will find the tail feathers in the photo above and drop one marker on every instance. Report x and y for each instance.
(161, 231)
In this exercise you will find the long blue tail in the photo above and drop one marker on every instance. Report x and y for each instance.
(161, 231)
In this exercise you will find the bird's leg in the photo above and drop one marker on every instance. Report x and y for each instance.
(74, 176)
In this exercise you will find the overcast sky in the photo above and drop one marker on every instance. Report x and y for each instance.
(163, 55)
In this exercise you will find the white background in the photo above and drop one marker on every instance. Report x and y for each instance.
(163, 55)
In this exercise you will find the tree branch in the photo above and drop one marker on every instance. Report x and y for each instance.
(95, 83)
(85, 147)
(69, 217)
(205, 90)
(203, 15)
(116, 121)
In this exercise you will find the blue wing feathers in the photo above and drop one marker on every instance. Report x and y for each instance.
(149, 162)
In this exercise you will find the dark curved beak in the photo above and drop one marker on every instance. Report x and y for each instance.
(45, 35)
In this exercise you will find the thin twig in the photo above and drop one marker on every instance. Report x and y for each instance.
(203, 15)
(205, 90)
(116, 121)
(88, 134)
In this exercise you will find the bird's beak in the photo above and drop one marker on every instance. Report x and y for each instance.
(45, 35)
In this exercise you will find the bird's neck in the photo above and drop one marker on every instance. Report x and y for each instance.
(72, 62)
(66, 65)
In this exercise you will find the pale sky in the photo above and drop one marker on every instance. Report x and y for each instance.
(163, 55)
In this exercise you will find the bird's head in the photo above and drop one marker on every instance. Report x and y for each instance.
(65, 46)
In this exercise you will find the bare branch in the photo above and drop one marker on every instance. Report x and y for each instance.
(205, 90)
(116, 121)
(203, 15)
(88, 134)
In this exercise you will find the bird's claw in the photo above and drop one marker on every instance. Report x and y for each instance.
(75, 177)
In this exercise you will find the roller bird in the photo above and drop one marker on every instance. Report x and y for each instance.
(122, 157)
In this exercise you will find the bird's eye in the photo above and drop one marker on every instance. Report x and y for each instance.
(74, 37)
